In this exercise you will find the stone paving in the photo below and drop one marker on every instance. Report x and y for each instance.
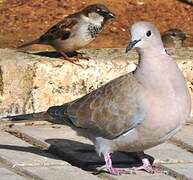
(42, 150)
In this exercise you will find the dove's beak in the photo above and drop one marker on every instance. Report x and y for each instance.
(132, 45)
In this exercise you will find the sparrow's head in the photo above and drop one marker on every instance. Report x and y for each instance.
(98, 11)
(144, 35)
(174, 38)
(174, 34)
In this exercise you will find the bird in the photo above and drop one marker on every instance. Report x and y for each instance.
(75, 31)
(174, 38)
(190, 2)
(134, 112)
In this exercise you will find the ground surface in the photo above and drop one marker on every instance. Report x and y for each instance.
(24, 20)
(42, 150)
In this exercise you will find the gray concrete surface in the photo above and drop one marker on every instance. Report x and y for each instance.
(6, 174)
(64, 154)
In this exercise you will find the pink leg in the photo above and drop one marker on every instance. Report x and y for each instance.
(111, 170)
(147, 166)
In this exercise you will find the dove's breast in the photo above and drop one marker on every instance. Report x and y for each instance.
(167, 110)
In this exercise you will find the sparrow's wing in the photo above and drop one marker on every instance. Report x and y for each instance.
(61, 30)
(109, 111)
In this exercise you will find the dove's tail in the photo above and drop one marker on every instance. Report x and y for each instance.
(55, 114)
(41, 116)
(36, 41)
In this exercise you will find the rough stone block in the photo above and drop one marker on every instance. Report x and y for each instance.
(32, 83)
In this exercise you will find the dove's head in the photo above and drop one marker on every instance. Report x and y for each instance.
(144, 36)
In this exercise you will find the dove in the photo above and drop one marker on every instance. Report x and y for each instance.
(75, 31)
(135, 111)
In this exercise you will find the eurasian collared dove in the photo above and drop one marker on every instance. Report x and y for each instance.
(136, 111)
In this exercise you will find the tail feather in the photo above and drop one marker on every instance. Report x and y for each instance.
(33, 116)
(55, 114)
(36, 41)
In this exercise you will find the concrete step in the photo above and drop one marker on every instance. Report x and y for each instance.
(64, 142)
(29, 160)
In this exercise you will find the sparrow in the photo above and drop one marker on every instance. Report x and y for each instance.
(173, 38)
(75, 31)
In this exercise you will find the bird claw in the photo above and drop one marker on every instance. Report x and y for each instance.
(72, 60)
(115, 171)
(110, 169)
(80, 56)
(149, 168)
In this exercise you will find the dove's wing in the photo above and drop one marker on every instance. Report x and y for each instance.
(111, 110)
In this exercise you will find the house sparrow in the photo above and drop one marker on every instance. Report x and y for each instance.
(75, 31)
(173, 38)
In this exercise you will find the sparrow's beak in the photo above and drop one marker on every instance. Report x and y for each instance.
(187, 35)
(132, 45)
(111, 15)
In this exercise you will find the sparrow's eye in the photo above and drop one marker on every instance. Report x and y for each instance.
(148, 34)
(173, 34)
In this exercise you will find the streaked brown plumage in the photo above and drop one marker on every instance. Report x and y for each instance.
(76, 30)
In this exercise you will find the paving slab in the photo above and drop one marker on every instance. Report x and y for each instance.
(182, 170)
(48, 169)
(23, 155)
(142, 176)
(185, 137)
(61, 173)
(6, 174)
(77, 150)
(63, 140)
(170, 153)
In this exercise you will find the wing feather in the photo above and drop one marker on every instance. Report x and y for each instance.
(111, 110)
(62, 30)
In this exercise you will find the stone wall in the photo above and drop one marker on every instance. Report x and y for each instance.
(31, 83)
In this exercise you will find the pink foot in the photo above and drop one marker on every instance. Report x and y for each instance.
(109, 168)
(148, 167)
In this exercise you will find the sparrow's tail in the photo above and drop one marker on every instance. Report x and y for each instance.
(36, 41)
(41, 116)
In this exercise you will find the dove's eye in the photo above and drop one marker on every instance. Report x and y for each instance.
(148, 33)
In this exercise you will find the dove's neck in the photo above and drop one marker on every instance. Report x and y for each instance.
(156, 69)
